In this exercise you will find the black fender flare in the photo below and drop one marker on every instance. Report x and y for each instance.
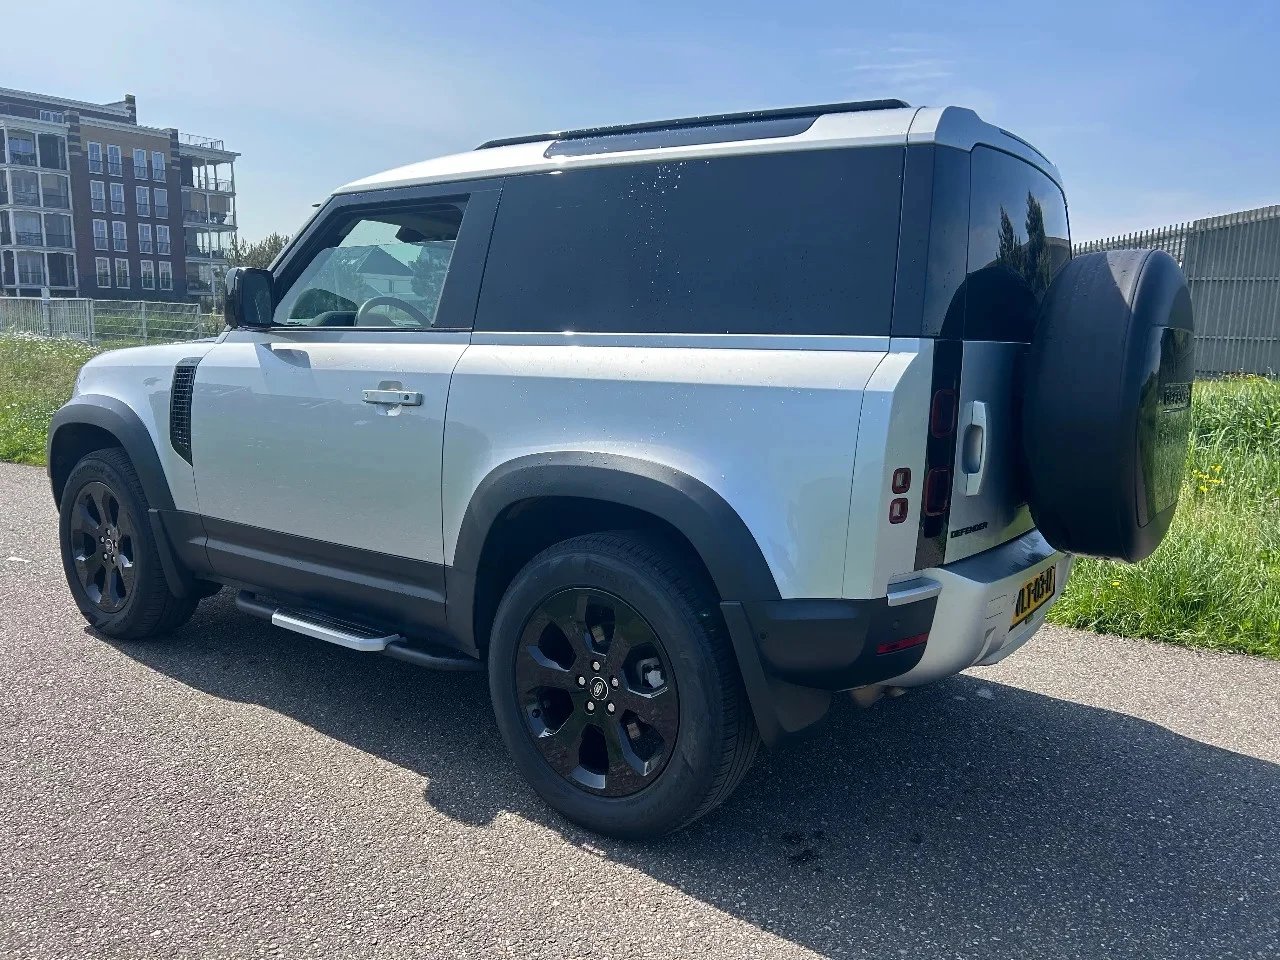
(727, 547)
(117, 418)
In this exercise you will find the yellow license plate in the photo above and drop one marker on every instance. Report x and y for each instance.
(1035, 593)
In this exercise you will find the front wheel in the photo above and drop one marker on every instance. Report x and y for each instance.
(109, 553)
(615, 686)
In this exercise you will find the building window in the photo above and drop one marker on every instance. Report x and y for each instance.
(122, 273)
(121, 241)
(26, 188)
(100, 235)
(162, 203)
(115, 166)
(103, 265)
(166, 275)
(22, 148)
(139, 164)
(98, 196)
(30, 268)
(95, 157)
(162, 239)
(157, 166)
(52, 116)
(143, 197)
(144, 238)
(57, 230)
(117, 199)
(147, 275)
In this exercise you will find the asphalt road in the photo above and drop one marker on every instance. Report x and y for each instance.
(246, 792)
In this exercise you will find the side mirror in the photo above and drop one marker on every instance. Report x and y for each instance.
(249, 301)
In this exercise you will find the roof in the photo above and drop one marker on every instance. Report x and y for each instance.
(833, 125)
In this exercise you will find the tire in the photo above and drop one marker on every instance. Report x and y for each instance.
(653, 765)
(1106, 411)
(123, 592)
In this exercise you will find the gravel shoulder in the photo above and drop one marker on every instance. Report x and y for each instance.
(244, 792)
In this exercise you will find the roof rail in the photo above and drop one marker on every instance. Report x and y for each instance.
(745, 117)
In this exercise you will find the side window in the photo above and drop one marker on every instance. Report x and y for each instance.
(377, 268)
(801, 242)
(1018, 241)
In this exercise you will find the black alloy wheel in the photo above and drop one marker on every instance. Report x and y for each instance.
(103, 547)
(597, 692)
(110, 554)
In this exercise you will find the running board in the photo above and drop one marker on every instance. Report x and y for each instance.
(353, 636)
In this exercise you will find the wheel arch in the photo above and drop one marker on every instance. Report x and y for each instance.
(92, 422)
(526, 504)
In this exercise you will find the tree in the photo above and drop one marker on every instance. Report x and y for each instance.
(1011, 252)
(258, 254)
(1039, 264)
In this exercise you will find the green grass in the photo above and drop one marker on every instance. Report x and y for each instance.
(1215, 580)
(36, 377)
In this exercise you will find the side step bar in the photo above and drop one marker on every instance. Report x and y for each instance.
(351, 635)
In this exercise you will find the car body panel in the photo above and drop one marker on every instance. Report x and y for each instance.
(772, 431)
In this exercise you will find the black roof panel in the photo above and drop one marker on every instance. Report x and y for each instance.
(704, 121)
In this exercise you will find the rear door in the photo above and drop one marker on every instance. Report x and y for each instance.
(1018, 241)
(328, 426)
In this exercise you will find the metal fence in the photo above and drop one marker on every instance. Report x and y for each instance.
(1232, 263)
(106, 321)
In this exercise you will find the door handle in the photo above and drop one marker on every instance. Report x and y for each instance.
(393, 398)
(975, 449)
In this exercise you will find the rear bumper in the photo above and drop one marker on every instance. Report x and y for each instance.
(794, 654)
(973, 622)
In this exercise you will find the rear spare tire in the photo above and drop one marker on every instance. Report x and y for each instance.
(1107, 403)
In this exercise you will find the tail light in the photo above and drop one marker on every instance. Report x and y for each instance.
(937, 491)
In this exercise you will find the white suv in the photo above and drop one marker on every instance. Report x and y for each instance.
(680, 428)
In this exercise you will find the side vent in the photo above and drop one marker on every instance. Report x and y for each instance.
(184, 381)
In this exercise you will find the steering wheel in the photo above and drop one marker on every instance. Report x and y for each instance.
(367, 307)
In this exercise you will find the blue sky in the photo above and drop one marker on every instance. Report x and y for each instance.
(1155, 112)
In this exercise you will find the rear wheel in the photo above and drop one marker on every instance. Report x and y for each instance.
(109, 553)
(615, 687)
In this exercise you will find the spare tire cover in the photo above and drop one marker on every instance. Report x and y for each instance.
(1107, 403)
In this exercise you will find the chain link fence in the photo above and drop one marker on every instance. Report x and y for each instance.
(1232, 263)
(106, 322)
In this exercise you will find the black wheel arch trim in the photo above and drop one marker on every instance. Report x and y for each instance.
(115, 417)
(726, 546)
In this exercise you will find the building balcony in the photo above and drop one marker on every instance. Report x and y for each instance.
(206, 256)
(217, 219)
(205, 143)
(62, 241)
(30, 278)
(26, 198)
(28, 239)
(61, 201)
(23, 159)
(196, 285)
(211, 185)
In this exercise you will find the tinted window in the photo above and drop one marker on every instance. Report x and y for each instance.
(384, 269)
(796, 242)
(1018, 241)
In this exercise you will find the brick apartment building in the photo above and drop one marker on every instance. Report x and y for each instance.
(94, 204)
